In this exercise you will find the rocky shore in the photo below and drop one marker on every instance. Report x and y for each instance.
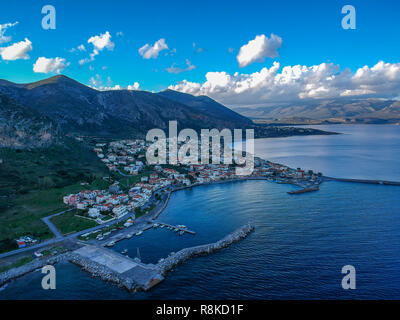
(187, 253)
(31, 266)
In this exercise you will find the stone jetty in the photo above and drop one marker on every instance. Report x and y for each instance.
(31, 266)
(187, 253)
(134, 275)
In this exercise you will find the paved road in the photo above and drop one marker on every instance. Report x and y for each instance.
(51, 226)
(59, 237)
(123, 174)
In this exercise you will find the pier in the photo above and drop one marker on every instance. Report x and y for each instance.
(382, 182)
(176, 227)
(304, 190)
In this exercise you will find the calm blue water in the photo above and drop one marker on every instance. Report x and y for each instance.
(362, 151)
(296, 252)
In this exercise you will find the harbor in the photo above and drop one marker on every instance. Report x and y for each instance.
(134, 275)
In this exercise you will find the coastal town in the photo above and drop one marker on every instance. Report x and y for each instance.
(135, 195)
(127, 158)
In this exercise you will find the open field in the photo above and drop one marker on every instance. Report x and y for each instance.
(33, 182)
(69, 223)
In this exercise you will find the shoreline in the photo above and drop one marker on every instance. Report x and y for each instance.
(147, 219)
(31, 266)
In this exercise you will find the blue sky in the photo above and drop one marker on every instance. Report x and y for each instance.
(311, 34)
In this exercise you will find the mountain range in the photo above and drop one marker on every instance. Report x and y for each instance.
(35, 114)
(327, 111)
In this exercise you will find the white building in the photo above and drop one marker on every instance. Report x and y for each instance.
(120, 210)
(81, 205)
(94, 212)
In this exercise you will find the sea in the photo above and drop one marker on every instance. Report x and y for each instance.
(300, 243)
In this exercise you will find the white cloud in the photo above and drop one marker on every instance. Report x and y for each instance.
(291, 83)
(47, 65)
(134, 86)
(148, 51)
(3, 28)
(99, 43)
(258, 49)
(17, 50)
(90, 59)
(177, 70)
(96, 82)
(102, 41)
(81, 47)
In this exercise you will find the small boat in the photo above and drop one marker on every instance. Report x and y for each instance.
(124, 251)
(110, 244)
(181, 233)
(129, 235)
(181, 226)
(139, 233)
(155, 225)
(162, 226)
(176, 230)
(100, 238)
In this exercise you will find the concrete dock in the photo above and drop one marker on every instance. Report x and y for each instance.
(114, 267)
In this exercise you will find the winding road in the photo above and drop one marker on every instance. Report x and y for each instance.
(59, 237)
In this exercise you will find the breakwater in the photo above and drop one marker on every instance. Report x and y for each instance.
(30, 267)
(187, 253)
(382, 182)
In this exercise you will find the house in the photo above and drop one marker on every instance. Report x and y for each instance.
(81, 205)
(135, 189)
(123, 197)
(107, 207)
(114, 200)
(71, 200)
(120, 210)
(88, 194)
(21, 244)
(94, 212)
(100, 198)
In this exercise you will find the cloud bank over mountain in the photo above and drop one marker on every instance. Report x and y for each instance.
(291, 83)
